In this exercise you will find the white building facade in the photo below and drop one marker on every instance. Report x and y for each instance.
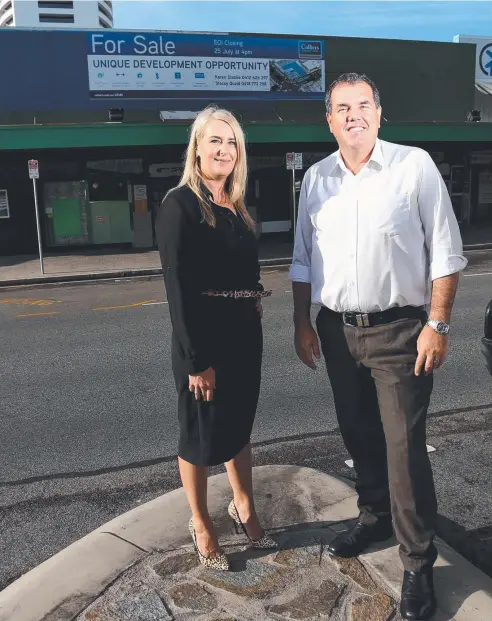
(56, 13)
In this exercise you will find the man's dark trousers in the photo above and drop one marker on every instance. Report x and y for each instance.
(381, 408)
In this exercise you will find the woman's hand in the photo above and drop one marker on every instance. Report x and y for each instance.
(203, 384)
(259, 308)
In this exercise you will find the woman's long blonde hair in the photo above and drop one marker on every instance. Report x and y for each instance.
(235, 185)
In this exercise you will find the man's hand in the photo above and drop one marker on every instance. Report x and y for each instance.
(203, 384)
(433, 347)
(432, 350)
(259, 308)
(307, 345)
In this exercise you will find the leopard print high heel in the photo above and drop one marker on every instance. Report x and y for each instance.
(263, 543)
(220, 562)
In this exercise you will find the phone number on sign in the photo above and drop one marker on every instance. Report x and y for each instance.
(248, 83)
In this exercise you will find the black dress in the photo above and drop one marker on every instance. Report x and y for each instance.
(218, 332)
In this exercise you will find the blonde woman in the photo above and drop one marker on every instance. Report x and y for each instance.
(209, 258)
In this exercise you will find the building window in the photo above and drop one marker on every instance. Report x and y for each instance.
(63, 4)
(105, 12)
(4, 204)
(56, 19)
(9, 21)
(6, 7)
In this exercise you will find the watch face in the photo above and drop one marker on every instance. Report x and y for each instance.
(442, 327)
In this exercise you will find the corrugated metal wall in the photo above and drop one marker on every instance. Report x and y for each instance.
(419, 81)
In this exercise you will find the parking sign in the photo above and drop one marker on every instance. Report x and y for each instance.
(293, 161)
(33, 169)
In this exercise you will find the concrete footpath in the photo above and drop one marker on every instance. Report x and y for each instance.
(97, 265)
(100, 264)
(141, 566)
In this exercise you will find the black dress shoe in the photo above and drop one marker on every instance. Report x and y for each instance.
(358, 538)
(418, 602)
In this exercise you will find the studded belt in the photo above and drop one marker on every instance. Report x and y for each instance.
(238, 293)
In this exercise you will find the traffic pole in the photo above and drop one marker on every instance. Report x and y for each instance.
(38, 226)
(294, 199)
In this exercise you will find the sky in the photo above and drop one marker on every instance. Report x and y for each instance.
(392, 19)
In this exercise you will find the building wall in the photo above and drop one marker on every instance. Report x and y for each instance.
(42, 14)
(483, 103)
(419, 81)
(6, 13)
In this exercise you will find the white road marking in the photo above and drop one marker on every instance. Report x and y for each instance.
(154, 303)
(480, 274)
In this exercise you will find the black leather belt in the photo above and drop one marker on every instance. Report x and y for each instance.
(368, 320)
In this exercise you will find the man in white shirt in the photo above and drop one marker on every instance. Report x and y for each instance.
(376, 242)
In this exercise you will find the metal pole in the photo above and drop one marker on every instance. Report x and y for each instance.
(34, 189)
(294, 199)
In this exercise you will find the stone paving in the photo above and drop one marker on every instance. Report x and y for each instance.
(299, 582)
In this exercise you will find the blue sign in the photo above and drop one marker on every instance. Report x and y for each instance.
(202, 65)
(485, 60)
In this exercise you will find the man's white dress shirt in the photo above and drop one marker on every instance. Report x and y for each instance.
(375, 240)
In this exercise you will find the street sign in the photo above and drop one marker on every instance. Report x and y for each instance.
(293, 162)
(33, 166)
(33, 169)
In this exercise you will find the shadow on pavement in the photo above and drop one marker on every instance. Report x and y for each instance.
(474, 545)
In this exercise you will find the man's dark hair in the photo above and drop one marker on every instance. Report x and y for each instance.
(352, 78)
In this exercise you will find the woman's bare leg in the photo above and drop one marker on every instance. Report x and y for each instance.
(194, 479)
(239, 471)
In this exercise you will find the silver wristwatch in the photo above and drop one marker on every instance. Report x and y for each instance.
(441, 327)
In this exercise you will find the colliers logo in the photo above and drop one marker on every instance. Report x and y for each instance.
(310, 49)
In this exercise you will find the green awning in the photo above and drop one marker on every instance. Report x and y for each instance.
(19, 137)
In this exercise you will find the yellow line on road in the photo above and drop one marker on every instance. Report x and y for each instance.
(36, 314)
(28, 301)
(136, 305)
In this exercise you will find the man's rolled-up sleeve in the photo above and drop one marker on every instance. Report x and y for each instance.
(300, 270)
(442, 233)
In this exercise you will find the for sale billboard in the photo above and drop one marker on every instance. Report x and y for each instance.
(158, 65)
